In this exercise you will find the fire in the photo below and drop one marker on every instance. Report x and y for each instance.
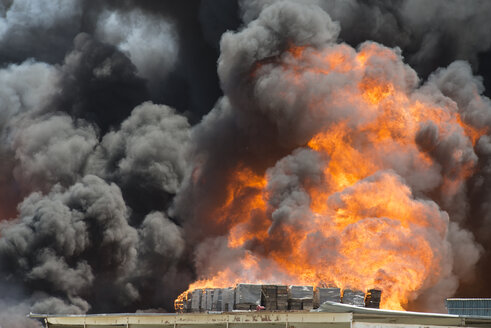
(365, 223)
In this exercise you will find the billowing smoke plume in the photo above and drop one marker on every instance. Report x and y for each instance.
(134, 165)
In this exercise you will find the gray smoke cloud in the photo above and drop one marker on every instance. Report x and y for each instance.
(149, 41)
(23, 23)
(431, 35)
(123, 126)
(51, 150)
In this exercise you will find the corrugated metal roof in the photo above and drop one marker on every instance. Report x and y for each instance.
(469, 306)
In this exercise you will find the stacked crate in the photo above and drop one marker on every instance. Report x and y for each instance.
(354, 297)
(321, 295)
(373, 298)
(247, 296)
(300, 298)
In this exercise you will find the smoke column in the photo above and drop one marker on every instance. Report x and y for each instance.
(149, 147)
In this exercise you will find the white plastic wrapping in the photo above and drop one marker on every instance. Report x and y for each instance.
(354, 297)
(248, 294)
(196, 300)
(301, 292)
(332, 294)
(228, 295)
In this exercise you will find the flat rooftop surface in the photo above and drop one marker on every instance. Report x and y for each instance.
(332, 315)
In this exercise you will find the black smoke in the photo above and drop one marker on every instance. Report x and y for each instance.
(121, 122)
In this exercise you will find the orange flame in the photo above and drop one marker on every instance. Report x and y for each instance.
(364, 228)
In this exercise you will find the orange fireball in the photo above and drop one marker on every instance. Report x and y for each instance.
(349, 208)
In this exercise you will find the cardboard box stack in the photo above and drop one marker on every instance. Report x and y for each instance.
(300, 298)
(354, 297)
(247, 296)
(373, 298)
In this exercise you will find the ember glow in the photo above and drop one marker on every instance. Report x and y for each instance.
(361, 222)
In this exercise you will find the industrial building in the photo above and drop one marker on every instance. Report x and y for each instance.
(329, 315)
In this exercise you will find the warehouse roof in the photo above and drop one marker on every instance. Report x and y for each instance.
(335, 314)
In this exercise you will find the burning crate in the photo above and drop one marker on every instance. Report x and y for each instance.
(247, 296)
(300, 297)
(354, 297)
(321, 295)
(373, 298)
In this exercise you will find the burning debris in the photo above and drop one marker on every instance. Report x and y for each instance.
(250, 297)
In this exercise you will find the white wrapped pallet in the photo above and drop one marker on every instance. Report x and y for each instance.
(300, 292)
(210, 292)
(354, 297)
(248, 294)
(196, 300)
(321, 295)
(217, 300)
(203, 301)
(228, 295)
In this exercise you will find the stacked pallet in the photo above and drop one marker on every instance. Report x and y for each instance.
(247, 296)
(373, 298)
(269, 297)
(196, 297)
(217, 300)
(273, 297)
(354, 297)
(228, 295)
(187, 306)
(203, 302)
(321, 295)
(282, 297)
(210, 293)
(301, 298)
